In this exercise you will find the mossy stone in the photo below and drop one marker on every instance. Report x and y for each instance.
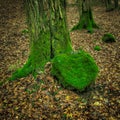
(108, 38)
(75, 70)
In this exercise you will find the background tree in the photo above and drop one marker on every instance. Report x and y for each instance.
(116, 3)
(86, 17)
(111, 5)
(108, 4)
(48, 33)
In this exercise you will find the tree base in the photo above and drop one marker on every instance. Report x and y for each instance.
(86, 22)
(22, 72)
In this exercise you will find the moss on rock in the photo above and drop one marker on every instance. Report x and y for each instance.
(108, 38)
(75, 70)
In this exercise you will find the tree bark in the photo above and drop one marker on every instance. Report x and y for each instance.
(109, 6)
(116, 3)
(61, 42)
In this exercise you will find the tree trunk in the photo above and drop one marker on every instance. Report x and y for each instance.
(61, 42)
(109, 6)
(116, 3)
(86, 18)
(48, 34)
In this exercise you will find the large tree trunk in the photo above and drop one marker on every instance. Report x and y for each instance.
(86, 18)
(48, 34)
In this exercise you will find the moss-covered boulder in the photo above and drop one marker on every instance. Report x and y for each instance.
(76, 70)
(108, 38)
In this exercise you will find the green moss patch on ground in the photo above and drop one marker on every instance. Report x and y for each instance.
(75, 70)
(108, 38)
(97, 48)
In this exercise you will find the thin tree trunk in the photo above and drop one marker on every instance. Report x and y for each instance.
(116, 3)
(86, 18)
(109, 6)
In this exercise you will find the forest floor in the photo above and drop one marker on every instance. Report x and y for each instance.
(44, 98)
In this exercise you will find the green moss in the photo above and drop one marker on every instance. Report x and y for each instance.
(22, 72)
(40, 51)
(25, 31)
(39, 55)
(98, 48)
(86, 22)
(1, 83)
(108, 38)
(75, 70)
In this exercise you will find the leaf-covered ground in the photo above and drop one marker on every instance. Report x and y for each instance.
(44, 98)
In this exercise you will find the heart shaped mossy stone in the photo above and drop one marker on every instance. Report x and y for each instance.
(76, 70)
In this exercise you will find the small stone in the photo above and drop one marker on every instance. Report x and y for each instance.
(108, 38)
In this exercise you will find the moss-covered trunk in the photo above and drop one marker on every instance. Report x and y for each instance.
(48, 34)
(86, 18)
(60, 37)
(38, 24)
